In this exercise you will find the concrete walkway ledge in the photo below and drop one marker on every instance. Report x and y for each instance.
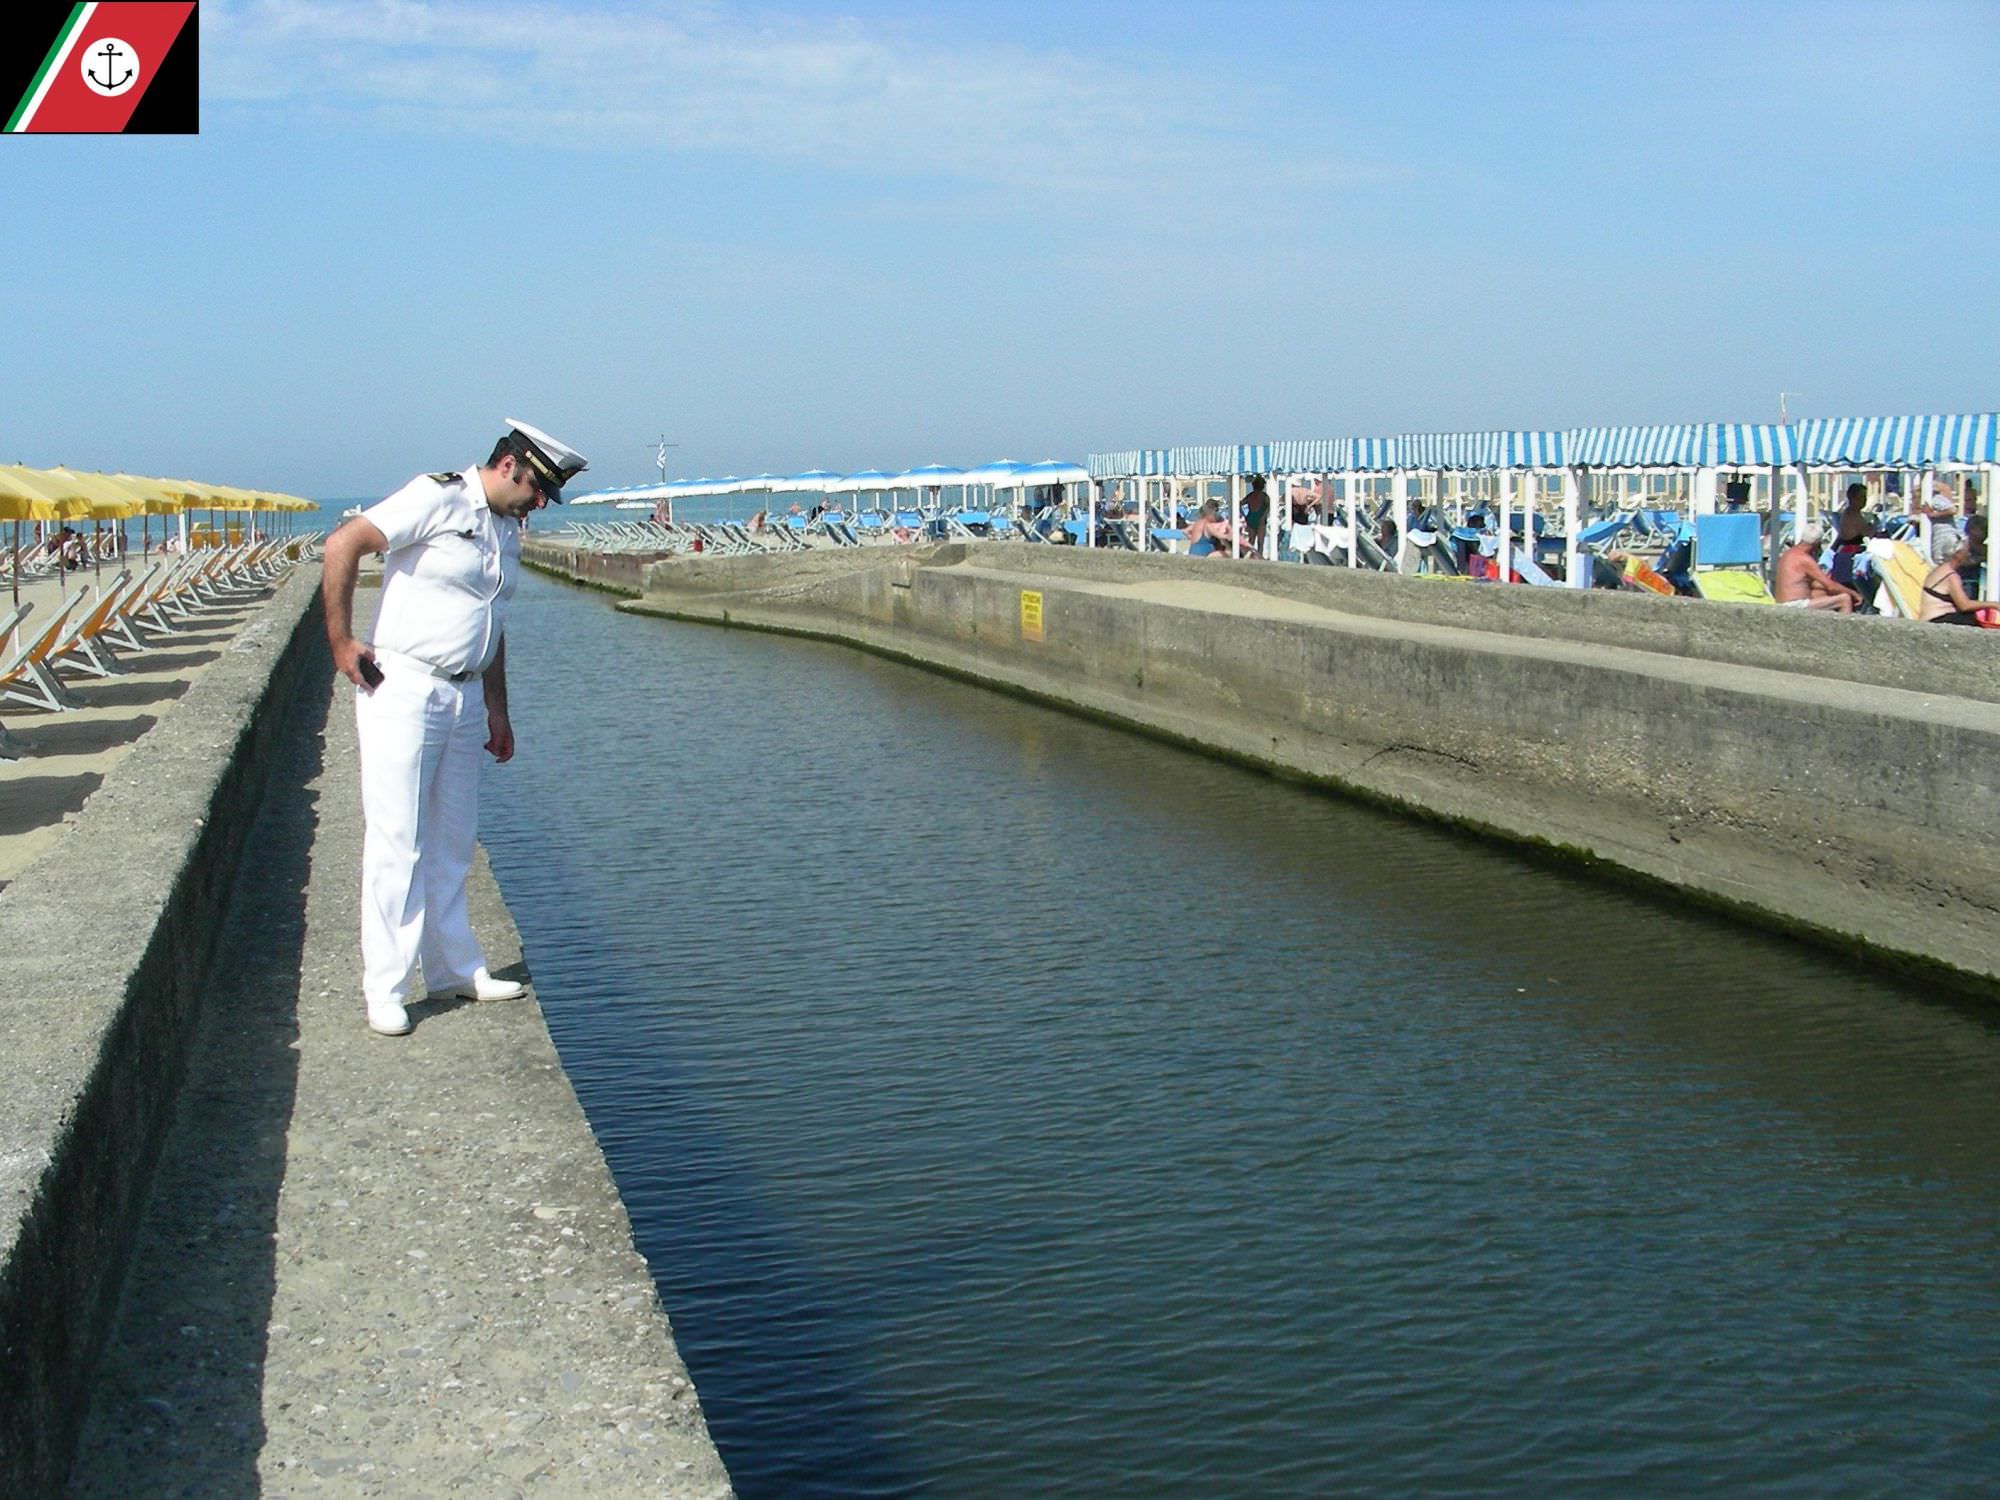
(1826, 778)
(104, 942)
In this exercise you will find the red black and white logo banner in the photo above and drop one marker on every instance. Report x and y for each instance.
(117, 66)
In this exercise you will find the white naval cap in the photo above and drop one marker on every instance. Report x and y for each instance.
(555, 463)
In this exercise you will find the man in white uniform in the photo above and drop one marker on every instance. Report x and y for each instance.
(433, 689)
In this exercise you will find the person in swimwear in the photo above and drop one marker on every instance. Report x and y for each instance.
(1799, 580)
(1208, 534)
(1851, 529)
(1945, 600)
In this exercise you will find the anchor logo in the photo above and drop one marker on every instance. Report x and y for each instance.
(116, 62)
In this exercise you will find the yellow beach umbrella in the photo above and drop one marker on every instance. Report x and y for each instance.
(40, 495)
(104, 499)
(148, 499)
(192, 495)
(21, 501)
(152, 494)
(34, 495)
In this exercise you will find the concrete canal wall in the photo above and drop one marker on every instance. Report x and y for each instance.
(104, 943)
(1827, 777)
(113, 947)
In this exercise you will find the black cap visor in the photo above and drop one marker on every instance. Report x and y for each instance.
(548, 478)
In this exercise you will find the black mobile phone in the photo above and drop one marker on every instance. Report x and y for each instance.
(370, 673)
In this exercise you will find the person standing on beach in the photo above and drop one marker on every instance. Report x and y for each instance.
(1256, 514)
(431, 683)
(1943, 513)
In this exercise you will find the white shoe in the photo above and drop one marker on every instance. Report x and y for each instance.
(483, 987)
(388, 1019)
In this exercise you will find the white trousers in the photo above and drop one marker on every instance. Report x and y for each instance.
(420, 744)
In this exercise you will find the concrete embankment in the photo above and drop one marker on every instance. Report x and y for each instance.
(106, 939)
(1823, 776)
(348, 1264)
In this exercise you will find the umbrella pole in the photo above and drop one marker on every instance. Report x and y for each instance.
(17, 562)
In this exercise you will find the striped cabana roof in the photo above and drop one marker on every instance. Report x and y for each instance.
(1445, 450)
(1373, 455)
(1682, 446)
(1313, 456)
(1752, 445)
(1131, 463)
(1220, 458)
(1532, 450)
(1897, 442)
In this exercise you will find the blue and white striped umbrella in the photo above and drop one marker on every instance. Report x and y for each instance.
(606, 497)
(1052, 471)
(866, 479)
(1000, 471)
(930, 476)
(813, 481)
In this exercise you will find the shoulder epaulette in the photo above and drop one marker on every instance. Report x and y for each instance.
(449, 476)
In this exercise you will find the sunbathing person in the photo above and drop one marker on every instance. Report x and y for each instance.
(1208, 534)
(1799, 580)
(1945, 600)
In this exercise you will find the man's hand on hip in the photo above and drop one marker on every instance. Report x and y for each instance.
(499, 735)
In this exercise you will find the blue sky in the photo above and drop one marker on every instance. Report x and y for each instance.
(876, 236)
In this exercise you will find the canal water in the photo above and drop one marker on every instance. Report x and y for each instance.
(1012, 1106)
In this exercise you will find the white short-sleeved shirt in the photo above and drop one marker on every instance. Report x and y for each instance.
(448, 574)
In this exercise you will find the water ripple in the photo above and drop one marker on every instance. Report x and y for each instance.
(1010, 1106)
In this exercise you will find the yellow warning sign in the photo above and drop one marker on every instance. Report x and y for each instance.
(1031, 615)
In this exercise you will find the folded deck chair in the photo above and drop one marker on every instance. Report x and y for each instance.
(1530, 571)
(1370, 552)
(124, 624)
(81, 644)
(159, 609)
(179, 597)
(1901, 571)
(10, 624)
(1607, 532)
(10, 749)
(1728, 559)
(24, 673)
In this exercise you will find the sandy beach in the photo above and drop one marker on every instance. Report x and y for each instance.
(63, 757)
